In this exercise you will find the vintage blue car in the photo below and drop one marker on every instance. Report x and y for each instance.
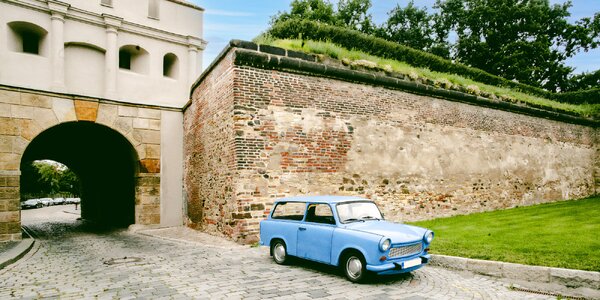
(348, 232)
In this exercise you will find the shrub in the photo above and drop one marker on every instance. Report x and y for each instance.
(352, 39)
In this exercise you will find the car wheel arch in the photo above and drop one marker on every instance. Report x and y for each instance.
(347, 252)
(273, 240)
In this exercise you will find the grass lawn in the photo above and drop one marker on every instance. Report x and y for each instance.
(562, 234)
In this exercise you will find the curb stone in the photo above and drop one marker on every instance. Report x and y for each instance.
(15, 253)
(585, 282)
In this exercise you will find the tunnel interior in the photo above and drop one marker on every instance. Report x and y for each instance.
(104, 161)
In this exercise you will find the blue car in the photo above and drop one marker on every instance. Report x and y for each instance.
(348, 232)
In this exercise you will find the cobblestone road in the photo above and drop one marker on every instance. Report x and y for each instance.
(73, 261)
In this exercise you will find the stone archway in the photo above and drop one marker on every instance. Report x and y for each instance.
(35, 125)
(105, 162)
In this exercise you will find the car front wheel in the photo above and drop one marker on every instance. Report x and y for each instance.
(279, 252)
(39, 205)
(355, 267)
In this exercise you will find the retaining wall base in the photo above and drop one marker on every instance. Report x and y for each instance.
(566, 282)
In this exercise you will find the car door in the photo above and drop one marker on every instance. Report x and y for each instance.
(315, 233)
(285, 220)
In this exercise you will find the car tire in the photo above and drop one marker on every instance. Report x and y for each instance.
(39, 205)
(354, 267)
(279, 252)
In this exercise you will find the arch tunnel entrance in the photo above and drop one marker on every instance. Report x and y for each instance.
(104, 161)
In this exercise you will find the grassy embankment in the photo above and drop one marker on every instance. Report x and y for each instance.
(561, 234)
(440, 79)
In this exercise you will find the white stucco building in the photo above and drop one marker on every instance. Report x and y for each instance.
(137, 51)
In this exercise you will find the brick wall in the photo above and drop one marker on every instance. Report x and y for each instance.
(263, 133)
(209, 155)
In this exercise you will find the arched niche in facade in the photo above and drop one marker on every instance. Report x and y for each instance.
(84, 68)
(171, 66)
(27, 37)
(134, 58)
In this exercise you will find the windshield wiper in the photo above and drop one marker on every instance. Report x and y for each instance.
(353, 220)
(370, 218)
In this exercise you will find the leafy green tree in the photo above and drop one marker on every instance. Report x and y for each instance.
(354, 14)
(49, 177)
(69, 182)
(584, 81)
(523, 40)
(414, 27)
(315, 10)
(43, 178)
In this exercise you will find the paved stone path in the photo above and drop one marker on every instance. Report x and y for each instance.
(74, 261)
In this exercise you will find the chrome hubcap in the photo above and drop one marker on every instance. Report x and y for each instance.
(354, 267)
(279, 253)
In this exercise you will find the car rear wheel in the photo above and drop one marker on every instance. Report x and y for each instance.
(39, 205)
(279, 252)
(355, 267)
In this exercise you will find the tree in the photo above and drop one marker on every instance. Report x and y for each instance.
(351, 14)
(354, 14)
(523, 40)
(49, 176)
(45, 178)
(584, 81)
(414, 27)
(315, 10)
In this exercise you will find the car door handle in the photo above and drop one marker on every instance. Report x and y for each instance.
(301, 228)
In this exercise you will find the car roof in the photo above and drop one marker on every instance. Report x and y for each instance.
(323, 199)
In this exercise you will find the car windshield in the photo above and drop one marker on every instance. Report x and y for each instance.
(358, 212)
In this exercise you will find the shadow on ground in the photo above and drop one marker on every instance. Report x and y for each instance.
(57, 229)
(336, 271)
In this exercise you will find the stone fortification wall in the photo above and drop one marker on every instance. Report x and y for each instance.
(262, 126)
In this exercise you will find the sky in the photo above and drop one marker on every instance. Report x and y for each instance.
(225, 20)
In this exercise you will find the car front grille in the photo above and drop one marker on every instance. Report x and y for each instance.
(406, 250)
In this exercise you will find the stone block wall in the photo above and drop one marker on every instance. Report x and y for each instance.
(209, 154)
(26, 113)
(419, 157)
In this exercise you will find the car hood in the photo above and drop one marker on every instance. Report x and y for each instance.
(398, 233)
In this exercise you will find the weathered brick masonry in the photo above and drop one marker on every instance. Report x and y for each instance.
(262, 126)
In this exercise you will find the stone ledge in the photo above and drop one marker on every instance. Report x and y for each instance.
(4, 87)
(547, 275)
(268, 57)
(15, 253)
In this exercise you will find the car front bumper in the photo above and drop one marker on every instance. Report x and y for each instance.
(396, 266)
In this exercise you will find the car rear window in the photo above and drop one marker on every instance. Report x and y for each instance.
(289, 211)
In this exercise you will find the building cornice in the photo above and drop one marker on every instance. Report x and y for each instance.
(97, 19)
(87, 98)
(185, 3)
(58, 7)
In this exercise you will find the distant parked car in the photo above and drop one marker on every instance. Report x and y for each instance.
(72, 201)
(47, 201)
(58, 201)
(348, 232)
(31, 203)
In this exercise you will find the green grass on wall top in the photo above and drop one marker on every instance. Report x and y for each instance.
(449, 81)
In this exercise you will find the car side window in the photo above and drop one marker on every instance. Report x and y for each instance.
(319, 213)
(289, 211)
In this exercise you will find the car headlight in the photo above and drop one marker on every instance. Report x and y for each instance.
(385, 245)
(428, 237)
